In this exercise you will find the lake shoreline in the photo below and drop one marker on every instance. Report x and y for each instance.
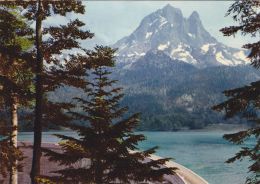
(221, 127)
(192, 149)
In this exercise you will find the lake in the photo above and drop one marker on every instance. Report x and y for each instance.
(202, 152)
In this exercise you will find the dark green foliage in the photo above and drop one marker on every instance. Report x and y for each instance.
(245, 101)
(180, 99)
(15, 82)
(50, 68)
(15, 70)
(106, 150)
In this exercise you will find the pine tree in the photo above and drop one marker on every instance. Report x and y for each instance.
(245, 101)
(15, 81)
(50, 76)
(105, 151)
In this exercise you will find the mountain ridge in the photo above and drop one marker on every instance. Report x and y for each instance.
(181, 38)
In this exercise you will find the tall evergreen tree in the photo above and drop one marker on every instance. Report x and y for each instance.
(52, 75)
(15, 80)
(106, 148)
(245, 101)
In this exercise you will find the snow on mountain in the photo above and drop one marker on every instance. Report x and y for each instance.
(180, 38)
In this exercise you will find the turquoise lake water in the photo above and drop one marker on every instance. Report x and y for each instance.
(202, 152)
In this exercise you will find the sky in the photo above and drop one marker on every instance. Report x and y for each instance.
(112, 20)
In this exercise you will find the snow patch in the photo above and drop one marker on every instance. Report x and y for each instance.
(163, 46)
(205, 47)
(162, 24)
(191, 35)
(181, 53)
(220, 58)
(153, 22)
(130, 55)
(241, 56)
(162, 21)
(123, 47)
(135, 54)
(148, 35)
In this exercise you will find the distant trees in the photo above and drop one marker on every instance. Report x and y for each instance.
(245, 101)
(15, 83)
(105, 151)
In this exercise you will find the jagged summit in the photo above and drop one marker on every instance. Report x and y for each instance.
(170, 7)
(194, 20)
(181, 38)
(194, 16)
(171, 13)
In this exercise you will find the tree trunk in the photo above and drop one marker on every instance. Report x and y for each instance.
(98, 172)
(39, 98)
(13, 139)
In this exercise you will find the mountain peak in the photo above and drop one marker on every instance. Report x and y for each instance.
(195, 18)
(169, 7)
(194, 15)
(181, 38)
(171, 12)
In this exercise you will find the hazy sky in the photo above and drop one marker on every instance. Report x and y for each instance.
(112, 20)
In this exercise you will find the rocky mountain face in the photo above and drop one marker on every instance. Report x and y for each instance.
(173, 71)
(181, 38)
